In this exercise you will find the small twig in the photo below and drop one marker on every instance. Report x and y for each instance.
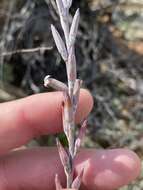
(31, 50)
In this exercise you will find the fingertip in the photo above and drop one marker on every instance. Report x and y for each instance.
(132, 162)
(36, 115)
(104, 169)
(118, 167)
(46, 110)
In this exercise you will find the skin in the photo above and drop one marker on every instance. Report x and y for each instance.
(35, 168)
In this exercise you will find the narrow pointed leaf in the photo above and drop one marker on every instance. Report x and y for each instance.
(77, 182)
(76, 93)
(80, 136)
(67, 104)
(74, 28)
(65, 123)
(69, 3)
(55, 84)
(61, 9)
(57, 183)
(59, 43)
(71, 67)
(64, 157)
(69, 120)
(65, 3)
(63, 154)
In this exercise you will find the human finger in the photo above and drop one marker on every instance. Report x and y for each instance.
(33, 116)
(36, 168)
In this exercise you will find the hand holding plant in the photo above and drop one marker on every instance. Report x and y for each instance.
(35, 168)
(71, 93)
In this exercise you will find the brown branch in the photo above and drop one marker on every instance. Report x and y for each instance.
(21, 51)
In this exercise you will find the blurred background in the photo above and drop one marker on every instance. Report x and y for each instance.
(110, 62)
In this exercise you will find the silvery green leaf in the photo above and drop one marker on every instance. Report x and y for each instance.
(74, 28)
(64, 157)
(61, 9)
(71, 65)
(77, 182)
(65, 3)
(76, 92)
(80, 136)
(67, 105)
(57, 183)
(59, 43)
(69, 3)
(65, 123)
(55, 84)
